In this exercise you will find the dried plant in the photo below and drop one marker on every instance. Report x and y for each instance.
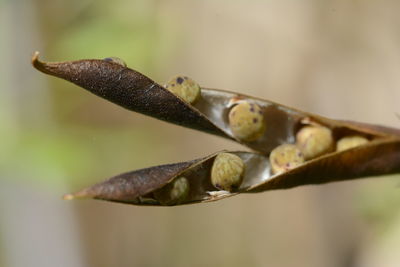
(262, 125)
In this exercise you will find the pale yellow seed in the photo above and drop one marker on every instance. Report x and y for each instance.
(246, 121)
(314, 141)
(174, 192)
(350, 142)
(180, 188)
(185, 88)
(227, 171)
(285, 157)
(116, 60)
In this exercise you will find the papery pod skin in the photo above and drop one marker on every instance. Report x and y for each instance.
(377, 158)
(132, 187)
(127, 187)
(134, 91)
(127, 88)
(373, 159)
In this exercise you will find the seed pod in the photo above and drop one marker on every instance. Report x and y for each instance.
(350, 142)
(285, 157)
(227, 171)
(134, 91)
(314, 141)
(246, 121)
(174, 192)
(185, 88)
(116, 60)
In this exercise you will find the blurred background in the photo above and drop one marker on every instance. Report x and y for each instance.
(337, 58)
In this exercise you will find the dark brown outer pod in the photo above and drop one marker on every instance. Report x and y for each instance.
(136, 187)
(134, 91)
(127, 88)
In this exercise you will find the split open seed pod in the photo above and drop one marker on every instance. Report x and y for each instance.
(210, 113)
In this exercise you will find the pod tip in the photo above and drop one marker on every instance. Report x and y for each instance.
(35, 57)
(37, 64)
(80, 194)
(68, 197)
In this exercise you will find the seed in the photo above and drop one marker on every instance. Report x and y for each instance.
(174, 192)
(116, 60)
(246, 121)
(185, 88)
(285, 157)
(227, 171)
(350, 142)
(314, 141)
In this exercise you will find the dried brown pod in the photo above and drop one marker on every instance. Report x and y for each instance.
(142, 187)
(134, 91)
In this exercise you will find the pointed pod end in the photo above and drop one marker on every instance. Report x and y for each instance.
(35, 60)
(37, 64)
(68, 197)
(35, 57)
(80, 194)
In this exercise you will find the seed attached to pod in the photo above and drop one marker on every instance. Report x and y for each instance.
(227, 171)
(313, 141)
(350, 142)
(246, 121)
(285, 157)
(174, 192)
(116, 60)
(185, 88)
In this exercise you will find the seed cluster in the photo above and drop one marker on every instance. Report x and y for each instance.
(185, 88)
(311, 141)
(246, 121)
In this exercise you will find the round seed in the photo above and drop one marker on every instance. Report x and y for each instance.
(116, 60)
(174, 192)
(227, 171)
(350, 142)
(285, 157)
(246, 121)
(185, 88)
(314, 141)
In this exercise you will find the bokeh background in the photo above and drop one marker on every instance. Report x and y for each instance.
(337, 58)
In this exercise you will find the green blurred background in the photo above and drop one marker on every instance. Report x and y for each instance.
(338, 58)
